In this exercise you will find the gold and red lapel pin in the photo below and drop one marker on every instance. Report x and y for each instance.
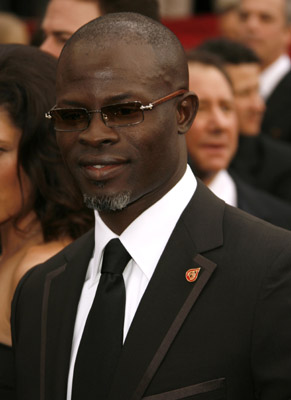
(192, 274)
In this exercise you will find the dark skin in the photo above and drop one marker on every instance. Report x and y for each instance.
(147, 159)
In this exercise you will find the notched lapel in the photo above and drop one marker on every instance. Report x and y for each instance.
(44, 323)
(62, 291)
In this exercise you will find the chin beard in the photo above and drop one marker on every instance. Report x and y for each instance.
(107, 203)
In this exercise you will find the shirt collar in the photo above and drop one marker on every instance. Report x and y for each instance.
(272, 75)
(151, 230)
(223, 186)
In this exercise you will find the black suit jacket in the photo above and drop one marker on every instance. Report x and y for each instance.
(277, 118)
(224, 336)
(261, 204)
(264, 163)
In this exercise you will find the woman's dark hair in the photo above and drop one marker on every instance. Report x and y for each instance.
(27, 91)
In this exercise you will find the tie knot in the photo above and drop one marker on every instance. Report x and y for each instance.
(115, 257)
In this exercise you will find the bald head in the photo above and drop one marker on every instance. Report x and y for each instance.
(132, 29)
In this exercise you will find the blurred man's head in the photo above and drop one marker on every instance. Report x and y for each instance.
(64, 17)
(265, 27)
(243, 67)
(227, 18)
(212, 139)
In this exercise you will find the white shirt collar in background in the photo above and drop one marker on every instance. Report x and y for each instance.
(223, 186)
(272, 75)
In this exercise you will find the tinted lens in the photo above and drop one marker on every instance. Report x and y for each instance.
(67, 119)
(122, 114)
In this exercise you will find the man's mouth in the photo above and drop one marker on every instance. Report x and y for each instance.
(103, 171)
(98, 166)
(104, 166)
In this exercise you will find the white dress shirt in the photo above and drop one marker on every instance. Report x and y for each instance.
(272, 75)
(223, 186)
(145, 239)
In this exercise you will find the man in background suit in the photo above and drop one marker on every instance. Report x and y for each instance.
(259, 160)
(212, 141)
(208, 311)
(265, 26)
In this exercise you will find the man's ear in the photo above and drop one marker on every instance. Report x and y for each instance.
(186, 111)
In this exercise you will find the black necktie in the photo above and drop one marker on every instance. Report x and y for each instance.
(102, 339)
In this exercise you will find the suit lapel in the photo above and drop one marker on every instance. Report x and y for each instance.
(62, 291)
(169, 296)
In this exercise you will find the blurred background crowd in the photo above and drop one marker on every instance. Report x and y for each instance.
(191, 20)
(239, 145)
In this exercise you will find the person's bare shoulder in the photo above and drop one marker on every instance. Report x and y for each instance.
(38, 254)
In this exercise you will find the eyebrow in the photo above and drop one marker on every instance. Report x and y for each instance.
(110, 100)
(56, 33)
(4, 142)
(117, 98)
(61, 33)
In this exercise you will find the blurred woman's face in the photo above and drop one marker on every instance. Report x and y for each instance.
(11, 198)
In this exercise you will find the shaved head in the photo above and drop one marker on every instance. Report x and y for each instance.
(134, 29)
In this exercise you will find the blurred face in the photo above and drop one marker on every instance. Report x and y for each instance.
(62, 19)
(10, 193)
(229, 24)
(212, 139)
(129, 166)
(263, 28)
(250, 106)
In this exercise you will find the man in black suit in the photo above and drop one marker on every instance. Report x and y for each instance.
(208, 311)
(265, 27)
(212, 140)
(259, 159)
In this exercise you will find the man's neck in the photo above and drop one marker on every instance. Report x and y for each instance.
(118, 221)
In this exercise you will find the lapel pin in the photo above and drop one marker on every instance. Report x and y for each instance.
(192, 274)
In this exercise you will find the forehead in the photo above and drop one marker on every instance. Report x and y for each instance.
(208, 82)
(272, 7)
(9, 133)
(244, 74)
(97, 72)
(69, 15)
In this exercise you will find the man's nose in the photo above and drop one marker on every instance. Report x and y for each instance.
(97, 133)
(259, 103)
(50, 46)
(218, 120)
(252, 22)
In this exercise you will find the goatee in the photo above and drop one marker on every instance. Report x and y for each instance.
(107, 203)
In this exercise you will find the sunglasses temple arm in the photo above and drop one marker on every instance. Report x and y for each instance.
(169, 97)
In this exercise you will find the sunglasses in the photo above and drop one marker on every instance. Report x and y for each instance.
(114, 115)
